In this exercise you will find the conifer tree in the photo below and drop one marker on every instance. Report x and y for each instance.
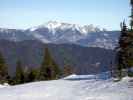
(3, 69)
(131, 21)
(49, 69)
(19, 78)
(31, 75)
(121, 54)
(67, 70)
(125, 50)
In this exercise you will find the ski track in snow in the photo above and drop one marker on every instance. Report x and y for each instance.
(65, 89)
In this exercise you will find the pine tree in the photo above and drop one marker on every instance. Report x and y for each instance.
(67, 70)
(49, 69)
(32, 75)
(19, 78)
(57, 70)
(121, 54)
(125, 50)
(131, 21)
(3, 69)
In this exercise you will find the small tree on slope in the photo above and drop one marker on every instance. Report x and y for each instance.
(3, 70)
(49, 69)
(19, 77)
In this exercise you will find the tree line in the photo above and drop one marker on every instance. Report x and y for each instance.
(48, 70)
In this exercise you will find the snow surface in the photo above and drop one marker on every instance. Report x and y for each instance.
(65, 89)
(4, 85)
(41, 37)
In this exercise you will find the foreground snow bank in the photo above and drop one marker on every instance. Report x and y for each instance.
(4, 85)
(80, 77)
(64, 89)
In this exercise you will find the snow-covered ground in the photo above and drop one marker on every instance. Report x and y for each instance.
(4, 85)
(74, 87)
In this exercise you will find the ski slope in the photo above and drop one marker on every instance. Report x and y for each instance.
(74, 87)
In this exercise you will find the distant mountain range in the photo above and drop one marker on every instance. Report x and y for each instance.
(87, 48)
(64, 33)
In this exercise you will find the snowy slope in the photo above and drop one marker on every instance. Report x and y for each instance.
(88, 89)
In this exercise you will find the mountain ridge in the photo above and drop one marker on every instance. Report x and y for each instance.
(84, 29)
(60, 33)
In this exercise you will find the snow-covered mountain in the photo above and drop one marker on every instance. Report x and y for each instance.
(59, 33)
(54, 26)
(107, 39)
(83, 88)
(15, 34)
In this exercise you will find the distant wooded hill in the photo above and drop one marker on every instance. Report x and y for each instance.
(85, 60)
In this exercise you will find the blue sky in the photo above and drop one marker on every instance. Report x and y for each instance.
(27, 13)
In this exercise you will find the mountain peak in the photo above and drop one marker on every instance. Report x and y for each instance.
(52, 25)
(58, 25)
(85, 29)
